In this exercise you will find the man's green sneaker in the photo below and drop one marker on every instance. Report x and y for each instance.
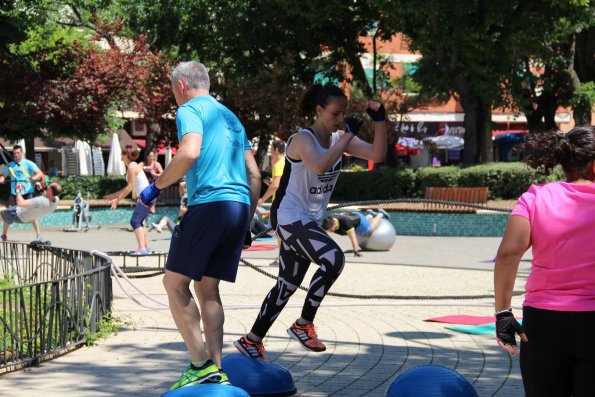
(224, 378)
(208, 373)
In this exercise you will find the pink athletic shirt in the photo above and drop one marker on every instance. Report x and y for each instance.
(562, 217)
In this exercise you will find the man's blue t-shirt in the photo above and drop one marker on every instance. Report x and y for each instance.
(219, 173)
(20, 175)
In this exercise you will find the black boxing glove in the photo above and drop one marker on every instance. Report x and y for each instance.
(377, 115)
(507, 327)
(353, 124)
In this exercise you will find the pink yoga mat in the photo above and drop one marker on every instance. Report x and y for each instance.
(463, 319)
(262, 247)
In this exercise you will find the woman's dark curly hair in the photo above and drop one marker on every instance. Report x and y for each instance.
(574, 151)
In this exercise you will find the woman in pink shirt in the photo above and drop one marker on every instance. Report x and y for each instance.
(557, 220)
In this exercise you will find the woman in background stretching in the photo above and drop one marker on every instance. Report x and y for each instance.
(136, 182)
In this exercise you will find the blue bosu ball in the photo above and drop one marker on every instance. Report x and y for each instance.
(207, 389)
(430, 381)
(258, 378)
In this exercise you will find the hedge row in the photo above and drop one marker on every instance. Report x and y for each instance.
(98, 186)
(504, 180)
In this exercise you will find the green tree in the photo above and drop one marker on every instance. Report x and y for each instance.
(584, 65)
(461, 45)
(30, 55)
(475, 50)
(58, 80)
(543, 75)
(263, 54)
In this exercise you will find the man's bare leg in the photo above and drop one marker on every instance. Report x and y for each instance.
(374, 222)
(37, 227)
(213, 317)
(5, 227)
(185, 314)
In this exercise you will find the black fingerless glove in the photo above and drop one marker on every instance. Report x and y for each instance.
(507, 327)
(377, 115)
(248, 239)
(352, 124)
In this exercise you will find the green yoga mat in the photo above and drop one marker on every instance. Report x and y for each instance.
(483, 329)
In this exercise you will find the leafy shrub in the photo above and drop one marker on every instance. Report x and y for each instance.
(436, 177)
(97, 186)
(504, 180)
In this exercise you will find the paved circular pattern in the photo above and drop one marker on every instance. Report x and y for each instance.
(367, 346)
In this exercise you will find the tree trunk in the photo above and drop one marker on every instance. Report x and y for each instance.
(581, 111)
(471, 106)
(153, 130)
(478, 131)
(30, 148)
(582, 114)
(484, 134)
(262, 149)
(548, 103)
(359, 74)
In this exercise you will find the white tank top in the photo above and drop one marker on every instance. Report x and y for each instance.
(140, 183)
(302, 194)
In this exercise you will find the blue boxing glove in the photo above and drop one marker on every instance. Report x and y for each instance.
(377, 115)
(352, 124)
(149, 194)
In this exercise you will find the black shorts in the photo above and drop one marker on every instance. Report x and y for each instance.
(208, 241)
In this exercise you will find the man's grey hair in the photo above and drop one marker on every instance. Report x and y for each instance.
(192, 73)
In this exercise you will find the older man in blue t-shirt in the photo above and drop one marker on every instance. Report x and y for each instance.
(223, 184)
(26, 174)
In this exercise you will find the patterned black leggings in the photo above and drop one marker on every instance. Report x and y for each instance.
(301, 244)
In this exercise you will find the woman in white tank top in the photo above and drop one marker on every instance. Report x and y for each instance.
(136, 182)
(312, 166)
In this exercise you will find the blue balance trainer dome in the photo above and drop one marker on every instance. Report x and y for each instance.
(430, 381)
(258, 378)
(207, 389)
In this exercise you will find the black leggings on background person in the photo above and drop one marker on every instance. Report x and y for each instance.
(301, 244)
(559, 358)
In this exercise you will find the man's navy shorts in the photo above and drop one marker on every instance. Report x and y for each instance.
(9, 216)
(209, 240)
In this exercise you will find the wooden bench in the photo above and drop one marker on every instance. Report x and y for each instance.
(474, 195)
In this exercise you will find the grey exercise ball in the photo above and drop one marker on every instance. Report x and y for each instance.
(382, 239)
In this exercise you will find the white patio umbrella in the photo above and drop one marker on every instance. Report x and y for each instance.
(83, 152)
(21, 143)
(115, 165)
(168, 155)
(448, 142)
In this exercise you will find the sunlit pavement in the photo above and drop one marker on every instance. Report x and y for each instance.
(369, 341)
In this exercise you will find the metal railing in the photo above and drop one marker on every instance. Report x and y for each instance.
(50, 300)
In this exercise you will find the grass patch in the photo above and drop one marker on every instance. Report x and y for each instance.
(108, 325)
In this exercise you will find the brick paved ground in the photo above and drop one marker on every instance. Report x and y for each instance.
(369, 342)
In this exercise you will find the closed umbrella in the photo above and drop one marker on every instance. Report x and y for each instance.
(168, 155)
(83, 152)
(115, 165)
(21, 143)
